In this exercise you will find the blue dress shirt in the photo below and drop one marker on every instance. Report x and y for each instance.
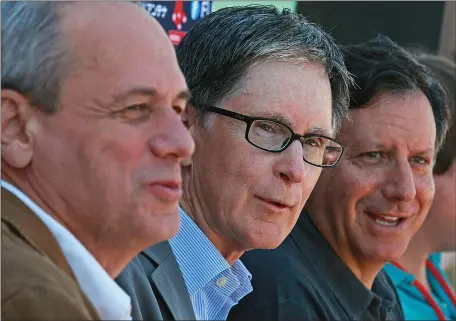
(214, 286)
(413, 303)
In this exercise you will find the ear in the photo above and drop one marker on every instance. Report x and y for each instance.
(19, 125)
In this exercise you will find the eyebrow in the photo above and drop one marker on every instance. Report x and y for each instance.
(147, 91)
(144, 91)
(321, 131)
(424, 151)
(285, 121)
(388, 147)
(184, 94)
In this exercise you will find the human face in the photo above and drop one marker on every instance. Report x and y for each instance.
(439, 227)
(112, 152)
(251, 197)
(373, 202)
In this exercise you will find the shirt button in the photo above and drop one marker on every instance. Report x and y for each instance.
(221, 281)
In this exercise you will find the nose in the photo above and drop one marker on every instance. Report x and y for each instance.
(170, 138)
(401, 183)
(291, 166)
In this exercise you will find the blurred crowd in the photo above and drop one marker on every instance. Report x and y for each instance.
(257, 170)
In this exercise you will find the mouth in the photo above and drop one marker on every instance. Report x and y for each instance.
(274, 203)
(168, 191)
(386, 220)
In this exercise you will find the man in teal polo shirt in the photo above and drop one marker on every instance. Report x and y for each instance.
(415, 304)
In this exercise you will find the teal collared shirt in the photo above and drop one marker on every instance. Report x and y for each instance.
(413, 303)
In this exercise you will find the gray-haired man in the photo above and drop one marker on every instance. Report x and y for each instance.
(92, 140)
(269, 89)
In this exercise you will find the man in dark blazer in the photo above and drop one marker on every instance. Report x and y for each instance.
(243, 188)
(156, 286)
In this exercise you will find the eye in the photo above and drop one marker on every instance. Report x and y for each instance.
(269, 129)
(373, 155)
(420, 160)
(134, 112)
(314, 142)
(265, 126)
(178, 109)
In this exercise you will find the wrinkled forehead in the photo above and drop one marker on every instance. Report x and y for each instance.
(391, 118)
(127, 48)
(298, 91)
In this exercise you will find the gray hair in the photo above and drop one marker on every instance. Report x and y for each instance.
(36, 55)
(34, 51)
(222, 47)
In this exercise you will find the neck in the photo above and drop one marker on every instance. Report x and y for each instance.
(414, 261)
(110, 258)
(192, 203)
(365, 270)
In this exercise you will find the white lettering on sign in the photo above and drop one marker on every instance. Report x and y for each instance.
(205, 8)
(156, 10)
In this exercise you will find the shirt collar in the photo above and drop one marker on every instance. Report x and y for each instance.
(403, 278)
(192, 249)
(350, 291)
(398, 276)
(111, 302)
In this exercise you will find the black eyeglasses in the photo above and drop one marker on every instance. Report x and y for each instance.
(272, 136)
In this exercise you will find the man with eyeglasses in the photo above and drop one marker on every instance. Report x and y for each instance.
(269, 90)
(364, 212)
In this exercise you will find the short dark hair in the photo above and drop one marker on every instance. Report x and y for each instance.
(380, 65)
(444, 70)
(219, 50)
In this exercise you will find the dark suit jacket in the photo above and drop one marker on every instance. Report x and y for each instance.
(156, 286)
(37, 281)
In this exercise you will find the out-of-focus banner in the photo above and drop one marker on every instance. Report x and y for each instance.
(178, 17)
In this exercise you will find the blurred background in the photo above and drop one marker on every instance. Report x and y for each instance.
(429, 25)
(422, 24)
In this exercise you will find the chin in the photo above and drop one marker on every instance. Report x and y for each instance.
(164, 227)
(388, 254)
(261, 235)
(266, 242)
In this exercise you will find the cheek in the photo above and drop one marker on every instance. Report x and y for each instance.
(445, 196)
(310, 181)
(222, 168)
(358, 192)
(233, 161)
(425, 191)
(357, 186)
(124, 145)
(118, 159)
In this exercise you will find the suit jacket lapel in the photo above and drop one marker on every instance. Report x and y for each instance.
(168, 280)
(32, 229)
